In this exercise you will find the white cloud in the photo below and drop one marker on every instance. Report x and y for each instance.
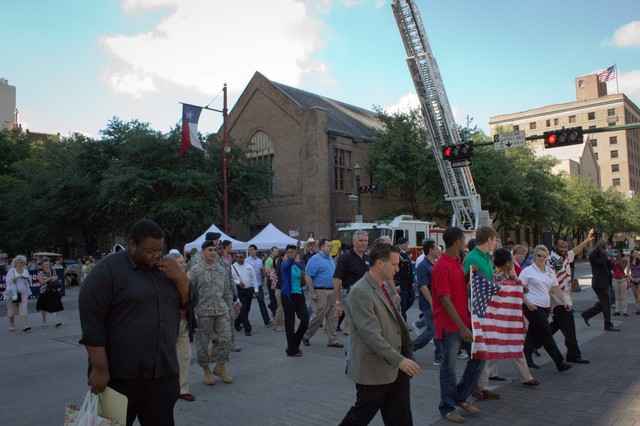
(629, 83)
(200, 45)
(380, 3)
(405, 104)
(352, 3)
(627, 36)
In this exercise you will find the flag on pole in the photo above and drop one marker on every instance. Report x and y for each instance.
(294, 233)
(189, 137)
(497, 319)
(608, 74)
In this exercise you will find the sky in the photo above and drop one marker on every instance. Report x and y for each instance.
(76, 63)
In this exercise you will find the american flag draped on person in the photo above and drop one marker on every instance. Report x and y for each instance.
(496, 317)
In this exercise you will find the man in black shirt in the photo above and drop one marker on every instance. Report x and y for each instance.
(352, 265)
(129, 317)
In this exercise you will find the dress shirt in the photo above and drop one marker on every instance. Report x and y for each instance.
(246, 274)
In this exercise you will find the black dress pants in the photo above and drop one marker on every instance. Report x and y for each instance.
(150, 400)
(563, 321)
(539, 334)
(393, 401)
(246, 297)
(602, 305)
(296, 305)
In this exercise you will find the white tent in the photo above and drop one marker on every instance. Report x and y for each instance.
(271, 236)
(237, 245)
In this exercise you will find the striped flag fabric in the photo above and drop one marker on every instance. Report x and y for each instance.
(608, 74)
(497, 319)
(189, 136)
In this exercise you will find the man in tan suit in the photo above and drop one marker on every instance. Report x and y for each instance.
(380, 361)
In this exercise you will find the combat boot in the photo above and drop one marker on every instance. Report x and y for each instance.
(214, 350)
(208, 376)
(220, 371)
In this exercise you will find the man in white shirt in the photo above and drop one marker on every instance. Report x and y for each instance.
(244, 277)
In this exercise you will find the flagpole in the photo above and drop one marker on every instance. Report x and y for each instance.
(225, 163)
(617, 86)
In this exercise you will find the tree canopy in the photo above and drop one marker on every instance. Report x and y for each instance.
(82, 192)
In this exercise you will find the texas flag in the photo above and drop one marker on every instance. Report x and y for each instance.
(190, 117)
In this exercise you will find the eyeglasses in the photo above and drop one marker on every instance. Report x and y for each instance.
(541, 255)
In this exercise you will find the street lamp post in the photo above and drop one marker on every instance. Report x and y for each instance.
(356, 169)
(226, 148)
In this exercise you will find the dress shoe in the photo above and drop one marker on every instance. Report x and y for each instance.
(187, 397)
(454, 417)
(586, 320)
(466, 406)
(564, 367)
(532, 365)
(484, 394)
(578, 361)
(616, 314)
(497, 378)
(305, 341)
(531, 382)
(335, 345)
(611, 328)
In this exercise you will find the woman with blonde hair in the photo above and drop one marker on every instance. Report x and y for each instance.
(19, 275)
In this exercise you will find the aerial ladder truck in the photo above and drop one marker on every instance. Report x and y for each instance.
(441, 127)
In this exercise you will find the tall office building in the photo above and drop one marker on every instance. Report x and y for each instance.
(7, 104)
(617, 152)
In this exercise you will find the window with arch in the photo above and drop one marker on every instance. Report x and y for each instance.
(261, 150)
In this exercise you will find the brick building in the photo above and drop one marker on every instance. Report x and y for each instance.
(617, 152)
(312, 144)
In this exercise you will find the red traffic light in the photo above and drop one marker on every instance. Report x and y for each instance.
(563, 137)
(552, 139)
(447, 151)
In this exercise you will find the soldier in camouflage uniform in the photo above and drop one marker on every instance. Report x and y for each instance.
(233, 296)
(210, 278)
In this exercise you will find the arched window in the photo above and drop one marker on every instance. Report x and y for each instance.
(261, 149)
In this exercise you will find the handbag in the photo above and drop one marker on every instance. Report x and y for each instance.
(18, 298)
(10, 293)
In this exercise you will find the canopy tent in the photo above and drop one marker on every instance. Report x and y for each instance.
(271, 236)
(237, 245)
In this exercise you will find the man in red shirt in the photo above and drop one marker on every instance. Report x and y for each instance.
(453, 322)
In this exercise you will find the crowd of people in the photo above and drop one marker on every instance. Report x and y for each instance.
(161, 305)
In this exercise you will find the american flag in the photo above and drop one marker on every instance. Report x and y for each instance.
(497, 319)
(608, 74)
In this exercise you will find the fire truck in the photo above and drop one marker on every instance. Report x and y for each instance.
(415, 231)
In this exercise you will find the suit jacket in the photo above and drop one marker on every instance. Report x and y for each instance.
(377, 335)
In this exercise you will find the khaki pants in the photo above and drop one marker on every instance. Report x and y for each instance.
(324, 308)
(620, 288)
(183, 349)
(490, 369)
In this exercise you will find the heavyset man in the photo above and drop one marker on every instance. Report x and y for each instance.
(129, 317)
(351, 266)
(319, 279)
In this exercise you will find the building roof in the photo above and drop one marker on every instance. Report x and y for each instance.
(342, 118)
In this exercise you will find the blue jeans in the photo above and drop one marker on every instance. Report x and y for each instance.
(450, 392)
(428, 334)
(406, 301)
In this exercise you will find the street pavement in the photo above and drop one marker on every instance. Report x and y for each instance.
(45, 369)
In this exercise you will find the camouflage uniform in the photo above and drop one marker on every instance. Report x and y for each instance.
(233, 293)
(212, 310)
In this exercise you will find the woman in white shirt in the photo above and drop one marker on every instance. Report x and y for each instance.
(538, 280)
(19, 275)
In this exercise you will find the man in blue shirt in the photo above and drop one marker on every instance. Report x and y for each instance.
(423, 280)
(319, 279)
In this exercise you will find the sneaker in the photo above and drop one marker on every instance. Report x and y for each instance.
(463, 355)
(437, 363)
(416, 329)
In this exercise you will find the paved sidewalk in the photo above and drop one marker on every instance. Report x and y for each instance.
(45, 369)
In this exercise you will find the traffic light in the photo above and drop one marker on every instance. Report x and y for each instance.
(368, 189)
(460, 151)
(364, 189)
(563, 137)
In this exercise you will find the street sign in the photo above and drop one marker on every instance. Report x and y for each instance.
(508, 140)
(460, 163)
(352, 197)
